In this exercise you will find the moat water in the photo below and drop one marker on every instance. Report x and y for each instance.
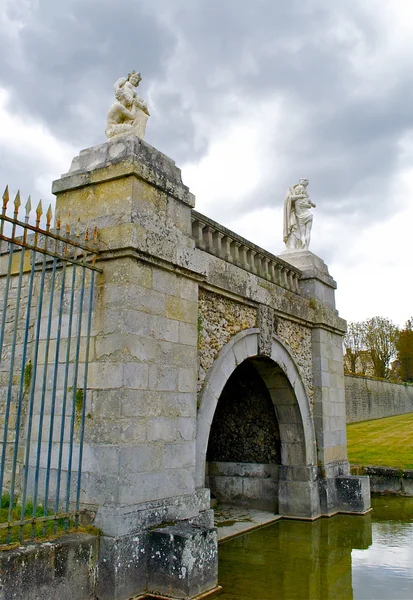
(342, 558)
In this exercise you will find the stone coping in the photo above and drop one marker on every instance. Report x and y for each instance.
(382, 471)
(120, 157)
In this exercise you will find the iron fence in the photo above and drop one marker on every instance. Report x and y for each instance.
(47, 281)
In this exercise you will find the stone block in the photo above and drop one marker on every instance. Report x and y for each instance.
(299, 499)
(187, 379)
(180, 404)
(100, 458)
(140, 403)
(353, 493)
(292, 453)
(133, 430)
(298, 473)
(99, 488)
(252, 345)
(164, 378)
(165, 282)
(291, 432)
(228, 363)
(261, 494)
(104, 375)
(139, 458)
(165, 329)
(117, 520)
(187, 428)
(181, 310)
(227, 489)
(65, 569)
(136, 375)
(134, 322)
(183, 560)
(146, 487)
(385, 480)
(122, 567)
(188, 289)
(241, 351)
(177, 456)
(332, 454)
(188, 334)
(139, 349)
(106, 403)
(133, 297)
(177, 355)
(407, 483)
(161, 429)
(218, 381)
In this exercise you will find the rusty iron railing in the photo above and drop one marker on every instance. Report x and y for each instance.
(47, 282)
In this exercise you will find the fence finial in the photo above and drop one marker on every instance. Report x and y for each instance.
(49, 215)
(39, 212)
(28, 208)
(17, 202)
(6, 198)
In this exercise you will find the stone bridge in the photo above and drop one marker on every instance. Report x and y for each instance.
(216, 367)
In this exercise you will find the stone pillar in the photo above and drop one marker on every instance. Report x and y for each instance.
(328, 381)
(139, 455)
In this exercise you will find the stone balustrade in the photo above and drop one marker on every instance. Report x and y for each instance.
(227, 245)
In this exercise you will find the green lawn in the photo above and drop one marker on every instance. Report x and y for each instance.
(382, 442)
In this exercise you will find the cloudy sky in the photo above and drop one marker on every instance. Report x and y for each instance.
(246, 97)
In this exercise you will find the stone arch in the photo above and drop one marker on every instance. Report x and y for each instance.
(284, 383)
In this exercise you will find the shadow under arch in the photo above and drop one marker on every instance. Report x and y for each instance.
(292, 408)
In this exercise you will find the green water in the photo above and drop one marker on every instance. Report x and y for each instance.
(341, 558)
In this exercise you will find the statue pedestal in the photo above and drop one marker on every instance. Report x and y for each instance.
(315, 281)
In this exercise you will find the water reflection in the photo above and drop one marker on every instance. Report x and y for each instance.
(386, 570)
(341, 558)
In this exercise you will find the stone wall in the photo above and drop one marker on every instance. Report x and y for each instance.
(387, 480)
(219, 319)
(372, 399)
(65, 568)
(297, 338)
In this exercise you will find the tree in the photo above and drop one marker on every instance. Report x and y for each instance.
(380, 336)
(405, 351)
(353, 345)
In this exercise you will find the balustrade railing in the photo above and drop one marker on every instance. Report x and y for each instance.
(227, 245)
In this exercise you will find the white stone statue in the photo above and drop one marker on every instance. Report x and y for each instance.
(298, 218)
(129, 113)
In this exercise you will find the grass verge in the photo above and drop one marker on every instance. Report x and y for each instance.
(382, 442)
(38, 531)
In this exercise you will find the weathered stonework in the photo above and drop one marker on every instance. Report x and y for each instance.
(267, 327)
(179, 305)
(368, 398)
(297, 338)
(245, 429)
(219, 319)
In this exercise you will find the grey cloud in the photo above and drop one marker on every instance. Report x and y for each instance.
(72, 54)
(298, 52)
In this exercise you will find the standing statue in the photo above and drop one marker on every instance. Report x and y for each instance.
(129, 113)
(298, 218)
